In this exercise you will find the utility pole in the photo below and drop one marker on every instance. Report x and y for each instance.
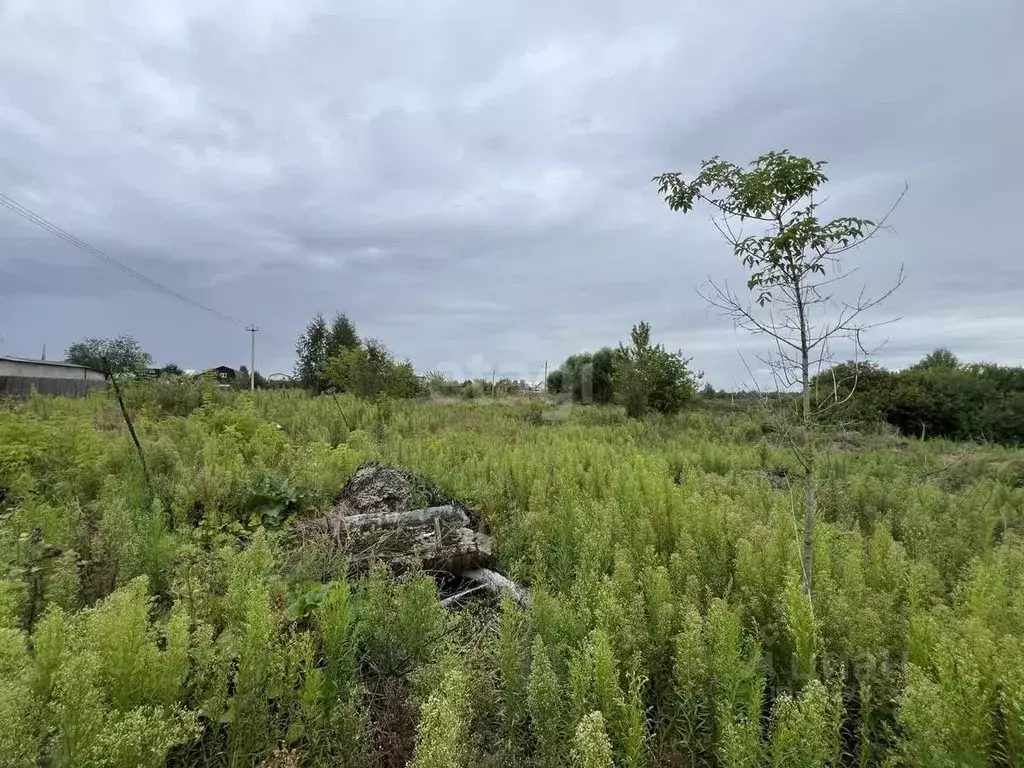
(545, 375)
(252, 356)
(493, 371)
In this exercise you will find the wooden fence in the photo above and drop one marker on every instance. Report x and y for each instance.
(23, 386)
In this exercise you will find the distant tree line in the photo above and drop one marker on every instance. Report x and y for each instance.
(641, 376)
(438, 383)
(937, 397)
(124, 356)
(242, 379)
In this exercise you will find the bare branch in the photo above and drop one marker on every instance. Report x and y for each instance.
(846, 325)
(882, 225)
(725, 230)
(727, 301)
(835, 388)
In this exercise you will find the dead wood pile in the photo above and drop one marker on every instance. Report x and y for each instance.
(389, 515)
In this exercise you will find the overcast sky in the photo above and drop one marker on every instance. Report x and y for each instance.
(470, 181)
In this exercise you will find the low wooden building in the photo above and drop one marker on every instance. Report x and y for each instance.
(20, 376)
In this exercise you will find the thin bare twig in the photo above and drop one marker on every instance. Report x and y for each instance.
(112, 378)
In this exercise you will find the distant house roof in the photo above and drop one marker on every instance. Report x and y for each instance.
(59, 363)
(222, 372)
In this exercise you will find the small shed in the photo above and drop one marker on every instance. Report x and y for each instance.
(19, 376)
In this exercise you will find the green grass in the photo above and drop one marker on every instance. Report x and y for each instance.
(183, 624)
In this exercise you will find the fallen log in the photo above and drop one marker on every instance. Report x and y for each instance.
(444, 514)
(457, 550)
(497, 584)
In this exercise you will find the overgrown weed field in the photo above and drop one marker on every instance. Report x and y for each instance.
(184, 622)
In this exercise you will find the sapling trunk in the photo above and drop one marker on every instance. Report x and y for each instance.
(807, 560)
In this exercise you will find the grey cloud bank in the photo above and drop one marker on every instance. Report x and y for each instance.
(471, 183)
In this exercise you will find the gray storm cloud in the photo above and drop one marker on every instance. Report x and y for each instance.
(472, 183)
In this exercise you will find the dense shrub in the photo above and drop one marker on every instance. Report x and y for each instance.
(332, 357)
(587, 377)
(369, 371)
(649, 378)
(938, 397)
(642, 377)
(666, 624)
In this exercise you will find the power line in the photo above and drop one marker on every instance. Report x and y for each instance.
(15, 207)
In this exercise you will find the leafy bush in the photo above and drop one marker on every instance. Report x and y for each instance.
(641, 377)
(937, 397)
(369, 371)
(587, 377)
(648, 378)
